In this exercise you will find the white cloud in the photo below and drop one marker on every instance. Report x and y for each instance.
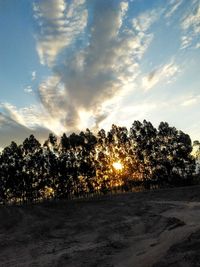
(139, 111)
(186, 41)
(29, 117)
(32, 118)
(59, 25)
(191, 27)
(164, 73)
(11, 130)
(197, 45)
(33, 75)
(124, 7)
(191, 101)
(54, 10)
(56, 103)
(192, 21)
(28, 89)
(145, 20)
(174, 6)
(88, 79)
(94, 51)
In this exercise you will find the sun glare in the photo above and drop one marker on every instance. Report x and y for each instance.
(118, 166)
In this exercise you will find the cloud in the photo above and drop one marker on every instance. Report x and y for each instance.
(94, 51)
(28, 117)
(192, 21)
(191, 27)
(57, 104)
(28, 89)
(164, 73)
(197, 45)
(175, 4)
(138, 111)
(33, 75)
(11, 130)
(59, 24)
(145, 20)
(191, 101)
(32, 118)
(103, 66)
(186, 41)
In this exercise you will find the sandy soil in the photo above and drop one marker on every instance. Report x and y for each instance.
(158, 229)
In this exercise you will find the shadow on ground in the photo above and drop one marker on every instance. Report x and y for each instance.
(157, 229)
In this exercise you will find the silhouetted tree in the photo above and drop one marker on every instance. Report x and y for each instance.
(11, 173)
(64, 143)
(175, 154)
(84, 163)
(33, 168)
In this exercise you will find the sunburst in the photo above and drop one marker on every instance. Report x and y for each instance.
(117, 166)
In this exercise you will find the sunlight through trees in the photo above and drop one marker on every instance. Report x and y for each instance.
(86, 164)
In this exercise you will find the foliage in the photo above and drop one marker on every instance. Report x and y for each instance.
(82, 164)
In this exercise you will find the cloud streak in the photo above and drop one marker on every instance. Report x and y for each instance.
(103, 66)
(175, 4)
(12, 128)
(190, 26)
(59, 23)
(191, 101)
(101, 55)
(165, 73)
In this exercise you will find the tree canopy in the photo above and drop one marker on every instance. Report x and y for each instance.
(142, 157)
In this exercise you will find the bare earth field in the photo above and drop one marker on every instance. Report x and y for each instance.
(158, 228)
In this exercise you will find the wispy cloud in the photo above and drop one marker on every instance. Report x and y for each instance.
(33, 75)
(100, 63)
(197, 45)
(186, 41)
(192, 21)
(11, 130)
(103, 67)
(24, 116)
(31, 118)
(191, 27)
(138, 111)
(165, 73)
(59, 24)
(173, 7)
(190, 101)
(97, 54)
(28, 89)
(145, 20)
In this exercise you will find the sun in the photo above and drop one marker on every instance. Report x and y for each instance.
(117, 165)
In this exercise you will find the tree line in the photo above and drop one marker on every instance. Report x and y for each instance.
(83, 164)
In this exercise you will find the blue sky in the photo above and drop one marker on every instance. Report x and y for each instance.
(68, 65)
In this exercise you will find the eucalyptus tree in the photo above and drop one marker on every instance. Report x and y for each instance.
(175, 154)
(111, 150)
(51, 143)
(86, 158)
(84, 163)
(11, 170)
(64, 143)
(142, 139)
(34, 168)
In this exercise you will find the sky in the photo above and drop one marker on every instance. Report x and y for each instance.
(68, 65)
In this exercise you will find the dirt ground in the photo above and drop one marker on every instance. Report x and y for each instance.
(158, 228)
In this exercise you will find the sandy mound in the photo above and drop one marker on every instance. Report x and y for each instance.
(157, 229)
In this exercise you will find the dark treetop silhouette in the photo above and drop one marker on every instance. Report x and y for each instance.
(84, 164)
